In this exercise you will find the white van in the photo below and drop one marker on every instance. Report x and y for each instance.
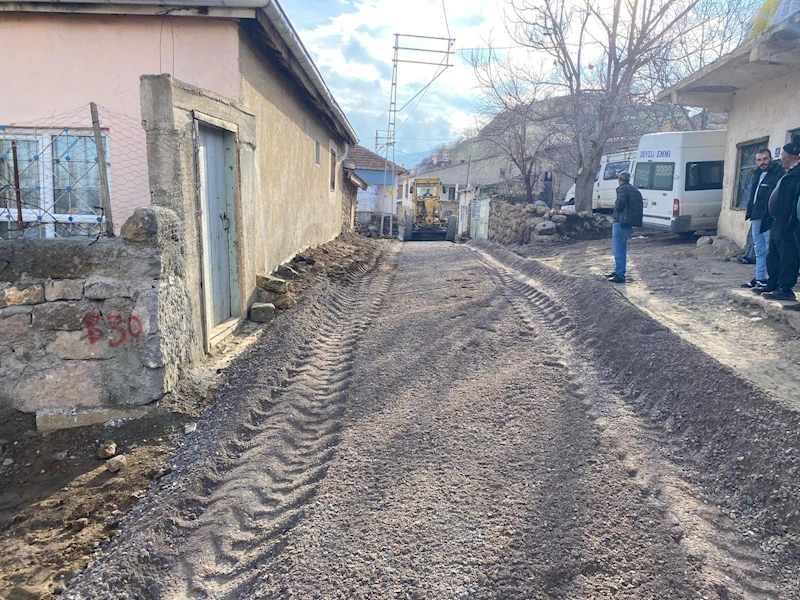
(604, 192)
(680, 177)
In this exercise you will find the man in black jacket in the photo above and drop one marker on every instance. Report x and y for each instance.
(782, 208)
(627, 214)
(762, 181)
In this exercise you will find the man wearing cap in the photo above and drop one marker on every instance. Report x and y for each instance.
(782, 207)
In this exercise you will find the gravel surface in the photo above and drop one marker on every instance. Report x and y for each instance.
(456, 422)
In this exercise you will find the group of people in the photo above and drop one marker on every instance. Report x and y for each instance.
(773, 209)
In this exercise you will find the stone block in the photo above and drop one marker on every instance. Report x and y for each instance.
(76, 345)
(285, 302)
(20, 309)
(146, 311)
(69, 384)
(267, 297)
(101, 288)
(63, 289)
(151, 352)
(65, 315)
(286, 272)
(12, 295)
(262, 312)
(272, 284)
(546, 228)
(14, 328)
(54, 419)
(141, 226)
(558, 218)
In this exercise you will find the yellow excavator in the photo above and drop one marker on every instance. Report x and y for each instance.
(427, 223)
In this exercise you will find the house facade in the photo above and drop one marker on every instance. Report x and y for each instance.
(380, 176)
(224, 154)
(758, 85)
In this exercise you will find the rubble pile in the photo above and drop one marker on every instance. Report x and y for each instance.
(281, 289)
(520, 224)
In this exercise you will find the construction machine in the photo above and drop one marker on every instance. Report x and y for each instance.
(427, 223)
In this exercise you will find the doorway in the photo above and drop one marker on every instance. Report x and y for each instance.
(218, 185)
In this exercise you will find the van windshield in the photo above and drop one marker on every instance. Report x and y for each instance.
(654, 176)
(613, 170)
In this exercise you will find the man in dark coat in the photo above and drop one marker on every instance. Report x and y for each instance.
(783, 265)
(627, 214)
(762, 181)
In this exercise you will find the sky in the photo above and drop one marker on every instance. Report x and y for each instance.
(352, 41)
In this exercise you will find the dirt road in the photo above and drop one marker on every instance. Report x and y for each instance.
(453, 422)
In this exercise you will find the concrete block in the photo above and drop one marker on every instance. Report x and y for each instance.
(64, 315)
(11, 295)
(76, 345)
(101, 288)
(73, 383)
(14, 328)
(63, 289)
(272, 284)
(54, 419)
(262, 312)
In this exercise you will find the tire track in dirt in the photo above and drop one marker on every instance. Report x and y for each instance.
(271, 468)
(731, 568)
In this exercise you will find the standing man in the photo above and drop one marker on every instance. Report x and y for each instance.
(762, 182)
(628, 211)
(783, 265)
(547, 181)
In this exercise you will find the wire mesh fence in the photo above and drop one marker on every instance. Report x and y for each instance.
(52, 181)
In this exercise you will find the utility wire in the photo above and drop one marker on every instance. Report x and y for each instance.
(445, 20)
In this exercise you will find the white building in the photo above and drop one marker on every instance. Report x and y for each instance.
(758, 84)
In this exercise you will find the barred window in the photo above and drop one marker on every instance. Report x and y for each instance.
(59, 183)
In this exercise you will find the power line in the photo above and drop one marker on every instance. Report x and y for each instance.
(445, 20)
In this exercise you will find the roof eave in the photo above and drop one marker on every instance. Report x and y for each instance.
(763, 57)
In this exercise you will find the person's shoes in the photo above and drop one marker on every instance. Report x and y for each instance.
(779, 295)
(762, 289)
(616, 279)
(792, 307)
(610, 275)
(749, 284)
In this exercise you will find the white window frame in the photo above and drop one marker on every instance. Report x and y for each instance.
(44, 149)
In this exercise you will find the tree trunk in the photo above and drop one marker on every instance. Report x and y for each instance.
(529, 188)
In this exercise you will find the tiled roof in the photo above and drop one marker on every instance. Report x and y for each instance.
(368, 160)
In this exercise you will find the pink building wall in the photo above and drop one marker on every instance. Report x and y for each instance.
(56, 64)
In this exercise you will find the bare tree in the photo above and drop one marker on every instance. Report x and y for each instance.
(517, 120)
(599, 52)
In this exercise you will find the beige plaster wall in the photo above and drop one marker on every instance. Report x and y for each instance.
(769, 110)
(57, 63)
(294, 207)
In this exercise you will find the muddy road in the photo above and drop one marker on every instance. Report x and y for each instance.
(456, 422)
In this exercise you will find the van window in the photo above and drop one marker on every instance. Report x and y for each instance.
(704, 175)
(654, 176)
(614, 169)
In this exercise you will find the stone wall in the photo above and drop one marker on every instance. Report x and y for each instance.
(92, 326)
(520, 224)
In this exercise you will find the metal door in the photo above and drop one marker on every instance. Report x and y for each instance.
(216, 226)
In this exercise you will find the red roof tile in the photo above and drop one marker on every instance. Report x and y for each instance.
(366, 159)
